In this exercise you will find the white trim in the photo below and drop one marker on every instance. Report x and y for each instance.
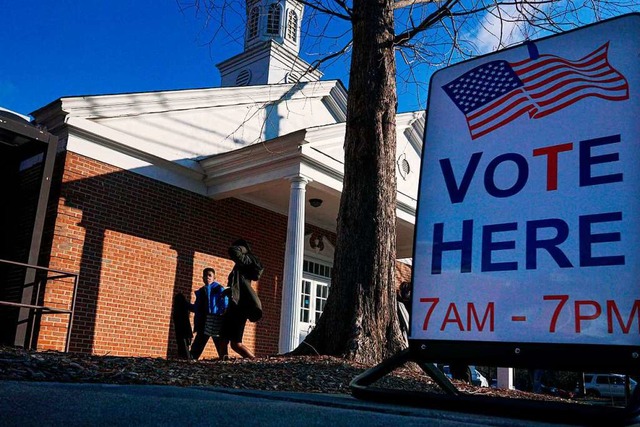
(137, 104)
(110, 146)
(269, 59)
(312, 252)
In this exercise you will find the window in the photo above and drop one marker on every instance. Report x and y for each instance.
(316, 268)
(305, 301)
(322, 291)
(273, 20)
(292, 26)
(313, 295)
(252, 24)
(609, 379)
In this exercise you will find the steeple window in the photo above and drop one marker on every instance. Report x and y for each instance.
(252, 23)
(292, 26)
(273, 20)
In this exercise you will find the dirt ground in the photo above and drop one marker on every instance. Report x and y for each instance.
(312, 374)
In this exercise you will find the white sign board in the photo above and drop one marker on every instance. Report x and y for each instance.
(528, 224)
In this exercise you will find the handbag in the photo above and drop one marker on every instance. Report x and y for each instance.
(213, 325)
(251, 304)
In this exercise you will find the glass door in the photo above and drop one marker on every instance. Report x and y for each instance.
(313, 297)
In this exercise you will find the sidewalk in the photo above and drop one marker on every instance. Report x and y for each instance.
(72, 404)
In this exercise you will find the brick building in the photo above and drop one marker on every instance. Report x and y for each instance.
(150, 188)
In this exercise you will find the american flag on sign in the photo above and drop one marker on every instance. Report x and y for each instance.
(498, 92)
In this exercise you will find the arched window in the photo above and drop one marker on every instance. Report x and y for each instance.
(252, 25)
(273, 20)
(292, 26)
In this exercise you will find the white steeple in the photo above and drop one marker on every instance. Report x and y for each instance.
(271, 46)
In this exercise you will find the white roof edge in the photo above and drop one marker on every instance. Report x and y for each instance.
(336, 102)
(139, 103)
(126, 144)
(414, 123)
(255, 152)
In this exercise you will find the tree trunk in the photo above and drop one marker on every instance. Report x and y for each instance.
(359, 321)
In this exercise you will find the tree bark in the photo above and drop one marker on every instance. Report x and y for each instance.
(359, 321)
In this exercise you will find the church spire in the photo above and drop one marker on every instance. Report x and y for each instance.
(271, 47)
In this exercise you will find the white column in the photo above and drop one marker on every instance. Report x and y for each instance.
(293, 256)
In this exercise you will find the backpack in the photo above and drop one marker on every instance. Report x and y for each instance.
(220, 300)
(254, 270)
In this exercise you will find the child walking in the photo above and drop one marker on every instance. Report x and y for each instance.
(211, 303)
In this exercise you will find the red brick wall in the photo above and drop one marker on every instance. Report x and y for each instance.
(136, 242)
(403, 273)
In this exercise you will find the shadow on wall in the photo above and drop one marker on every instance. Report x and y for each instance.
(142, 242)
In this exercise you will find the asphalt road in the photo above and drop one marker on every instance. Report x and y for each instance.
(59, 404)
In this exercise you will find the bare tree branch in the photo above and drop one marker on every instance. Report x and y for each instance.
(316, 5)
(399, 4)
(436, 16)
(316, 64)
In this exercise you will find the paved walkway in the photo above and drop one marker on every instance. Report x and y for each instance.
(57, 404)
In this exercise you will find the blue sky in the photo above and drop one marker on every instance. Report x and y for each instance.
(57, 48)
(52, 49)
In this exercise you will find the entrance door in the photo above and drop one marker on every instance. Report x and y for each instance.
(315, 289)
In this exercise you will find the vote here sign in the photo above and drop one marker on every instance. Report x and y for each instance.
(528, 225)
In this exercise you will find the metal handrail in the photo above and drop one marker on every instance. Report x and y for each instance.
(43, 308)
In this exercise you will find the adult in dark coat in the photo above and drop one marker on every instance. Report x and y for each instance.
(245, 304)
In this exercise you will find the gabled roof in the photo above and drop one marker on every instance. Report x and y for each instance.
(162, 134)
(242, 142)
